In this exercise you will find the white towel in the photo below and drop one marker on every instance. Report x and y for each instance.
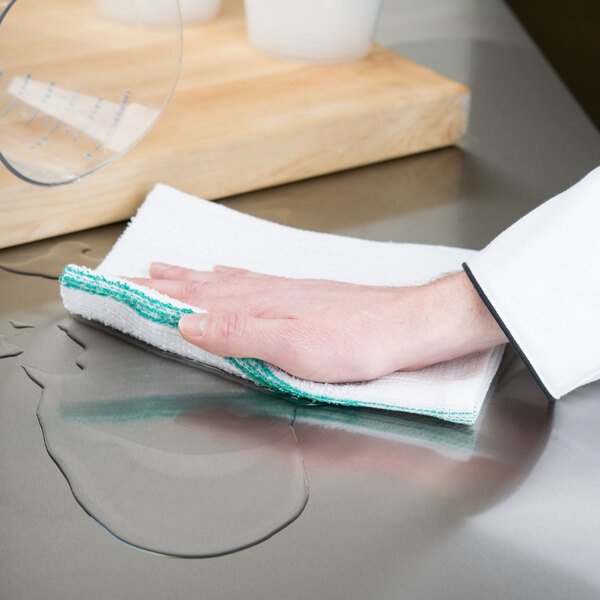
(176, 228)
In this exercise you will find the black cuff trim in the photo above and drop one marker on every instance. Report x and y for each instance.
(507, 333)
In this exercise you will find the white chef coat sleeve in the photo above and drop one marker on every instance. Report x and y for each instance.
(540, 280)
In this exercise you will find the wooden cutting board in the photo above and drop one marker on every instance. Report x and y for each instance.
(241, 121)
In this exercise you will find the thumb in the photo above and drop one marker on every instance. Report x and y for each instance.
(237, 335)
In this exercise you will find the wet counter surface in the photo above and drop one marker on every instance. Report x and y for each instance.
(327, 502)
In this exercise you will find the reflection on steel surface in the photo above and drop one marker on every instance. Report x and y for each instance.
(50, 263)
(213, 467)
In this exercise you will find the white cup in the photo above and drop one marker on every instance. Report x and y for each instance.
(312, 31)
(159, 12)
(198, 11)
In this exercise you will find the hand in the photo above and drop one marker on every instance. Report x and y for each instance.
(328, 331)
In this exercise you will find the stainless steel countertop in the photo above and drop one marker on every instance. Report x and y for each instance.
(515, 515)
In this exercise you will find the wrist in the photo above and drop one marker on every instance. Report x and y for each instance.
(458, 319)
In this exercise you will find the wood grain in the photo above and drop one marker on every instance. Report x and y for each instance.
(241, 121)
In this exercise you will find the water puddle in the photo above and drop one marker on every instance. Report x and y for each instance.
(7, 349)
(20, 325)
(166, 457)
(49, 264)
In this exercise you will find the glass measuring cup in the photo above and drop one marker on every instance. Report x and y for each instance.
(78, 89)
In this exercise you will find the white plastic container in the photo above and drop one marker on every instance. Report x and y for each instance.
(312, 31)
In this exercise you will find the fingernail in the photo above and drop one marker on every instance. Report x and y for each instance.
(192, 326)
(159, 267)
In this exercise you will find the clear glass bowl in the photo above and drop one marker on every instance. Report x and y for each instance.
(78, 89)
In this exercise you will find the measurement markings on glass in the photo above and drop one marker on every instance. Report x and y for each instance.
(91, 117)
(45, 98)
(56, 126)
(10, 107)
(33, 116)
(24, 85)
(81, 132)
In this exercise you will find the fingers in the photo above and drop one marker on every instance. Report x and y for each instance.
(233, 290)
(204, 295)
(164, 271)
(239, 336)
(227, 289)
(232, 270)
(182, 290)
(199, 288)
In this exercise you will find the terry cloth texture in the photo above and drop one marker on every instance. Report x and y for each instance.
(176, 228)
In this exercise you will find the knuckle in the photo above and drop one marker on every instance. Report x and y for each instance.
(233, 326)
(173, 272)
(191, 289)
(261, 307)
(226, 278)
